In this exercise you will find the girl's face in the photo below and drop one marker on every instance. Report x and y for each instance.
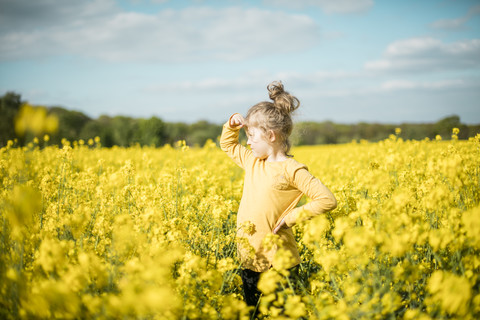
(259, 144)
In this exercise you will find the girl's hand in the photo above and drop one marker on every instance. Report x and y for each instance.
(280, 225)
(237, 120)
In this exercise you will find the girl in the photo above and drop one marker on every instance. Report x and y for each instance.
(274, 184)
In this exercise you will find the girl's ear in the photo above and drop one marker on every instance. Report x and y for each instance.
(271, 136)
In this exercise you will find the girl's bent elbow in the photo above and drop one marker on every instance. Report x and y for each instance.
(333, 203)
(223, 147)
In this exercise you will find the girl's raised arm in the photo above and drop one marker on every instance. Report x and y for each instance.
(237, 120)
(229, 140)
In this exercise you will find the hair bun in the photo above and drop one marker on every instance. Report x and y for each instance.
(282, 99)
(275, 89)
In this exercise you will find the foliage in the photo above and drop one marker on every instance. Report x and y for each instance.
(312, 133)
(126, 131)
(9, 106)
(70, 124)
(141, 232)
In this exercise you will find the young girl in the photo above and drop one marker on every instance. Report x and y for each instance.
(274, 184)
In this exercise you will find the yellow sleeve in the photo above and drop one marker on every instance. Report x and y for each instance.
(229, 144)
(322, 199)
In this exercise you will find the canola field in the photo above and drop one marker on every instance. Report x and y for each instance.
(149, 233)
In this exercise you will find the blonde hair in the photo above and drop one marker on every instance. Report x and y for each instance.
(276, 115)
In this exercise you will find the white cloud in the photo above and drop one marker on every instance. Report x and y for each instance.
(208, 84)
(192, 34)
(451, 24)
(457, 23)
(256, 80)
(428, 54)
(329, 6)
(25, 15)
(392, 85)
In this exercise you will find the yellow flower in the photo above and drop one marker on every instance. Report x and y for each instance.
(35, 120)
(22, 209)
(226, 264)
(452, 292)
(415, 314)
(234, 309)
(294, 307)
(315, 229)
(283, 260)
(247, 227)
(12, 274)
(94, 233)
(471, 225)
(271, 241)
(269, 281)
(51, 255)
(341, 226)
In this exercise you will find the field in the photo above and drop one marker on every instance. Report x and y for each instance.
(149, 233)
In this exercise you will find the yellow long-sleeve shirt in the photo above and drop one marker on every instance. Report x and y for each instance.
(271, 192)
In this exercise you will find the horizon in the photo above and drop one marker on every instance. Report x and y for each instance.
(347, 61)
(293, 118)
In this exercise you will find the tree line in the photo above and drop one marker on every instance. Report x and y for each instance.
(126, 131)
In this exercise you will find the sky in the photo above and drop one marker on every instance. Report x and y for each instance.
(347, 61)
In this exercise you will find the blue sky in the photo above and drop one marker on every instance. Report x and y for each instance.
(346, 60)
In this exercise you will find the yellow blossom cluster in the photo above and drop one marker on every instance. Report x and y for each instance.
(150, 233)
(404, 240)
(96, 233)
(35, 120)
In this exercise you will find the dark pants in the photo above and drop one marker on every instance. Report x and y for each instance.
(250, 290)
(250, 284)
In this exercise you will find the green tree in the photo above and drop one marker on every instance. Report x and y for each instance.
(92, 129)
(176, 131)
(70, 124)
(151, 132)
(106, 133)
(9, 106)
(124, 131)
(444, 126)
(201, 131)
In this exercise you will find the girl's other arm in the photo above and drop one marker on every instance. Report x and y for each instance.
(322, 199)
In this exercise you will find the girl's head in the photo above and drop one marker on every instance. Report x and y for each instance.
(274, 117)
